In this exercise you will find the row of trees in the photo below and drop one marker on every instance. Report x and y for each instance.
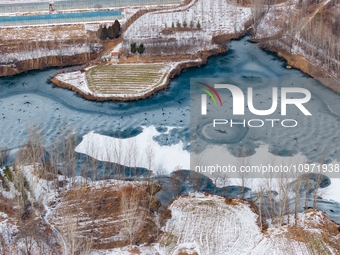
(169, 46)
(277, 196)
(185, 24)
(110, 32)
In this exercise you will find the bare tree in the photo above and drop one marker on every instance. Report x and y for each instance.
(283, 201)
(242, 162)
(132, 215)
(150, 157)
(76, 244)
(4, 154)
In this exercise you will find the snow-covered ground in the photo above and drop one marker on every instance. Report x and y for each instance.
(215, 17)
(199, 223)
(70, 50)
(286, 19)
(143, 250)
(53, 40)
(76, 79)
(207, 225)
(44, 33)
(125, 151)
(57, 211)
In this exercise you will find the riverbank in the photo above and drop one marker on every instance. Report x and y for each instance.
(300, 62)
(309, 42)
(46, 62)
(39, 47)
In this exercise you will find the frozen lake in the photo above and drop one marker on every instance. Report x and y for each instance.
(27, 100)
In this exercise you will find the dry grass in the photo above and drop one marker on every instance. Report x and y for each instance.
(126, 79)
(316, 241)
(135, 250)
(185, 253)
(230, 201)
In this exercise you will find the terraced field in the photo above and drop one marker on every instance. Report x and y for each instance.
(208, 225)
(126, 79)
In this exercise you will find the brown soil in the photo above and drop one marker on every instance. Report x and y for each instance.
(97, 213)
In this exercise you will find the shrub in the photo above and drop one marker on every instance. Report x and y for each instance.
(111, 32)
(141, 49)
(133, 48)
(26, 184)
(8, 174)
(4, 182)
(198, 25)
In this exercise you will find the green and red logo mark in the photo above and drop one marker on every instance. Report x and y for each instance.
(213, 90)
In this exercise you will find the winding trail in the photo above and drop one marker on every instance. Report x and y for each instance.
(55, 230)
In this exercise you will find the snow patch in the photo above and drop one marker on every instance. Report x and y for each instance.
(119, 151)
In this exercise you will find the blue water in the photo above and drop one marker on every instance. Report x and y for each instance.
(60, 18)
